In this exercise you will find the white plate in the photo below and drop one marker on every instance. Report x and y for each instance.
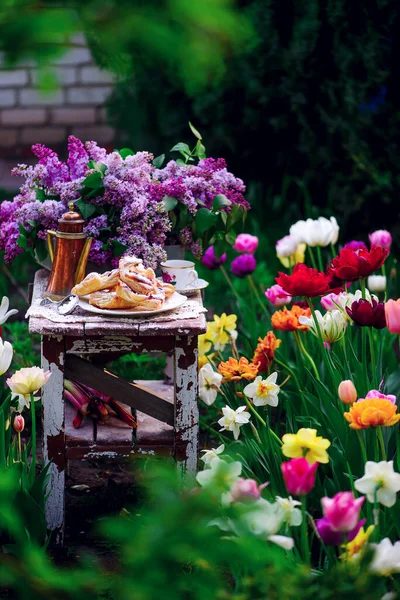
(173, 302)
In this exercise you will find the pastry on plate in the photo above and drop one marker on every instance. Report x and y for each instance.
(108, 299)
(124, 291)
(95, 282)
(139, 279)
(168, 289)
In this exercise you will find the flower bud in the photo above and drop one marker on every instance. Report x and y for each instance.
(381, 237)
(245, 490)
(392, 312)
(347, 392)
(19, 423)
(376, 283)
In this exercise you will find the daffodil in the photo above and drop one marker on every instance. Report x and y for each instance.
(6, 354)
(233, 420)
(220, 473)
(386, 559)
(4, 312)
(263, 391)
(209, 382)
(354, 548)
(291, 514)
(306, 443)
(221, 330)
(212, 454)
(380, 481)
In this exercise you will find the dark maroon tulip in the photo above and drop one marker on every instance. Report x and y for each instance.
(368, 314)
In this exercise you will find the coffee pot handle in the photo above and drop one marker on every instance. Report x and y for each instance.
(50, 247)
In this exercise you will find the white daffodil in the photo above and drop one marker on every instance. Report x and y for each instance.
(291, 515)
(212, 454)
(377, 283)
(209, 382)
(6, 354)
(386, 559)
(380, 478)
(233, 420)
(263, 391)
(220, 473)
(316, 232)
(4, 312)
(265, 518)
(332, 325)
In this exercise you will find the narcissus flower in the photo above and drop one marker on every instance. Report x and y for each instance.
(6, 355)
(209, 382)
(246, 243)
(305, 281)
(28, 381)
(372, 413)
(357, 544)
(288, 320)
(342, 511)
(291, 514)
(392, 312)
(277, 296)
(299, 476)
(221, 329)
(381, 237)
(380, 481)
(233, 419)
(264, 354)
(220, 473)
(367, 313)
(4, 312)
(332, 325)
(306, 443)
(212, 454)
(347, 392)
(234, 370)
(386, 558)
(351, 265)
(263, 392)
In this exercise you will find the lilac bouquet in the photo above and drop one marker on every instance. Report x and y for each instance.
(130, 203)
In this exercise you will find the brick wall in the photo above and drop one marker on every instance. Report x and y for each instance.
(28, 116)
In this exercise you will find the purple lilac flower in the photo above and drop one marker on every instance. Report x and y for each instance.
(243, 265)
(78, 158)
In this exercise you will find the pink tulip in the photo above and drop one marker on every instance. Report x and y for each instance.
(392, 313)
(244, 490)
(277, 295)
(19, 423)
(381, 237)
(347, 392)
(377, 394)
(342, 511)
(299, 476)
(331, 301)
(246, 243)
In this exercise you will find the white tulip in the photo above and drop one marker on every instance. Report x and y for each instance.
(4, 312)
(212, 454)
(332, 325)
(291, 514)
(6, 354)
(287, 246)
(263, 391)
(209, 382)
(377, 283)
(386, 559)
(379, 478)
(318, 232)
(233, 420)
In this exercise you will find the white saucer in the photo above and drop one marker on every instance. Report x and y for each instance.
(192, 289)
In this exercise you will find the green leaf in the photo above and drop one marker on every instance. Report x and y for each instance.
(230, 237)
(118, 248)
(180, 162)
(22, 241)
(195, 132)
(204, 220)
(219, 201)
(158, 161)
(41, 250)
(94, 193)
(181, 147)
(224, 217)
(40, 195)
(170, 202)
(219, 248)
(93, 181)
(126, 152)
(200, 150)
(86, 210)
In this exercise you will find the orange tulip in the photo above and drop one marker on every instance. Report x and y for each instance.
(372, 412)
(288, 320)
(392, 313)
(265, 352)
(234, 370)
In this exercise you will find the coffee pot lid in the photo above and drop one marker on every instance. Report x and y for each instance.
(73, 219)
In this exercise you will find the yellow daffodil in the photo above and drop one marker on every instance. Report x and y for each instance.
(221, 330)
(356, 546)
(306, 443)
(298, 256)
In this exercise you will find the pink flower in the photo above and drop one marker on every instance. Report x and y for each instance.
(392, 313)
(299, 476)
(244, 490)
(331, 301)
(246, 243)
(19, 423)
(243, 265)
(277, 295)
(342, 511)
(381, 237)
(377, 394)
(347, 392)
(355, 245)
(335, 538)
(210, 261)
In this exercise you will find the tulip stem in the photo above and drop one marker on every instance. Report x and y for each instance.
(19, 446)
(314, 264)
(382, 442)
(304, 537)
(254, 288)
(304, 351)
(374, 365)
(228, 279)
(319, 256)
(33, 438)
(362, 446)
(325, 355)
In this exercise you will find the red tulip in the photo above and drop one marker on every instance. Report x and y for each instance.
(305, 281)
(351, 264)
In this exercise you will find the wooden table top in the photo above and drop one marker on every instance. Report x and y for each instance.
(182, 327)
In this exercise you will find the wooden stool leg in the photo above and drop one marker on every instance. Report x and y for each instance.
(53, 355)
(186, 428)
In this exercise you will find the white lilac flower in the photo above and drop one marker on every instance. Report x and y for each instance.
(377, 283)
(4, 312)
(332, 324)
(212, 454)
(381, 478)
(6, 354)
(263, 391)
(220, 473)
(291, 515)
(209, 382)
(386, 558)
(233, 420)
(316, 232)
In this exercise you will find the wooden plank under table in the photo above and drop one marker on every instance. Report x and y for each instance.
(167, 415)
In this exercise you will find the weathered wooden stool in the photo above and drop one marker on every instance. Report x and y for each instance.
(167, 414)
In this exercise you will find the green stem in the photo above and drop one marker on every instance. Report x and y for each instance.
(319, 256)
(253, 410)
(304, 537)
(325, 355)
(333, 250)
(343, 340)
(381, 442)
(364, 343)
(362, 446)
(2, 439)
(33, 438)
(374, 365)
(311, 253)
(304, 351)
(228, 279)
(293, 375)
(259, 300)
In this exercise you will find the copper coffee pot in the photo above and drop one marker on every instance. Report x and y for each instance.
(70, 255)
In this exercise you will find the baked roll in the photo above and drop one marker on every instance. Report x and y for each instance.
(95, 282)
(108, 299)
(168, 289)
(139, 279)
(124, 291)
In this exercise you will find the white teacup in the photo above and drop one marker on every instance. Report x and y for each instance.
(180, 273)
